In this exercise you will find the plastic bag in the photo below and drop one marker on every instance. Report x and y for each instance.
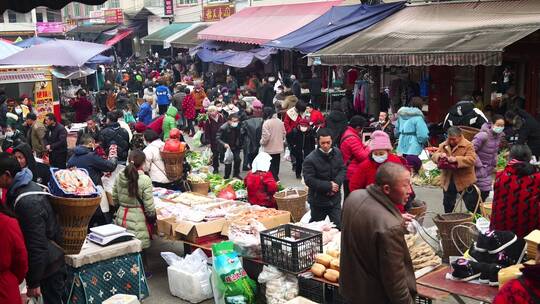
(229, 157)
(227, 193)
(231, 280)
(246, 238)
(287, 154)
(189, 278)
(197, 139)
(280, 288)
(34, 300)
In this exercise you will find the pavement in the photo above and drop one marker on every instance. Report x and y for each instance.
(158, 283)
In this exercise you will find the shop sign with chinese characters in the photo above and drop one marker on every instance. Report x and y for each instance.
(217, 12)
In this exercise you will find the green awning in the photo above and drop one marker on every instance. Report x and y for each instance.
(158, 37)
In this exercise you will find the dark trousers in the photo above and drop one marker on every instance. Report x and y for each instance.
(274, 165)
(299, 156)
(320, 213)
(53, 287)
(248, 160)
(346, 189)
(190, 128)
(484, 195)
(215, 159)
(162, 109)
(237, 162)
(171, 186)
(58, 159)
(449, 197)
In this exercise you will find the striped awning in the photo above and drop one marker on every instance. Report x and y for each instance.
(453, 34)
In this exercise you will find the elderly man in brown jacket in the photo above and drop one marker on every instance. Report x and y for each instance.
(456, 158)
(374, 253)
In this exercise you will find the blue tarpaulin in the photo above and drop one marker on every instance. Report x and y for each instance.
(223, 53)
(337, 23)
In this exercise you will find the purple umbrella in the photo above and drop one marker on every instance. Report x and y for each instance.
(58, 52)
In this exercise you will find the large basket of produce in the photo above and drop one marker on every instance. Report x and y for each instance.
(71, 183)
(293, 201)
(74, 214)
(445, 223)
(290, 247)
(469, 132)
(174, 164)
(199, 183)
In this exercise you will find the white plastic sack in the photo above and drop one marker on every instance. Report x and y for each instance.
(108, 180)
(280, 288)
(229, 157)
(189, 278)
(287, 154)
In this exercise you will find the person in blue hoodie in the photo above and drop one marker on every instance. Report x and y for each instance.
(145, 113)
(84, 157)
(413, 133)
(163, 98)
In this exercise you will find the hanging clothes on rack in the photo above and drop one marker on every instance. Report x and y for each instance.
(360, 94)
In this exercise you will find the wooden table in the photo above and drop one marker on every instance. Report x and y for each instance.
(437, 280)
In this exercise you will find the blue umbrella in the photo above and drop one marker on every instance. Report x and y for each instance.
(100, 59)
(32, 41)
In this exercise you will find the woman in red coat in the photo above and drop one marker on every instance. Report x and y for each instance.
(524, 290)
(316, 118)
(188, 109)
(13, 258)
(516, 198)
(260, 183)
(380, 147)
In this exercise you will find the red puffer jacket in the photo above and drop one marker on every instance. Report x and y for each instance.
(317, 119)
(353, 150)
(261, 187)
(188, 107)
(13, 260)
(516, 202)
(364, 175)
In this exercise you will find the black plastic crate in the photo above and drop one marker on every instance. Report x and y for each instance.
(422, 300)
(311, 289)
(290, 247)
(332, 295)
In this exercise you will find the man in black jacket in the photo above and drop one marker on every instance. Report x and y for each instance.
(229, 137)
(114, 134)
(324, 173)
(55, 142)
(46, 266)
(522, 129)
(91, 129)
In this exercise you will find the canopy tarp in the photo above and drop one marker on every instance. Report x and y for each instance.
(338, 22)
(57, 52)
(158, 37)
(449, 33)
(261, 24)
(72, 72)
(32, 41)
(8, 49)
(222, 53)
(118, 37)
(91, 33)
(186, 38)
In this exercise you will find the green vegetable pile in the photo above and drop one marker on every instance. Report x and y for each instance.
(502, 160)
(201, 117)
(198, 160)
(428, 178)
(217, 183)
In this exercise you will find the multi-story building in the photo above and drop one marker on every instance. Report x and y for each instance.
(38, 21)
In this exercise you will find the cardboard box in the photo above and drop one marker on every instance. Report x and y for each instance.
(165, 227)
(532, 239)
(269, 222)
(191, 231)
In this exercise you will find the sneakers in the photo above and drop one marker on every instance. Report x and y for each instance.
(465, 270)
(490, 274)
(495, 241)
(476, 255)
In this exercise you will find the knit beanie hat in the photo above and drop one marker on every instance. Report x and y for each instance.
(380, 141)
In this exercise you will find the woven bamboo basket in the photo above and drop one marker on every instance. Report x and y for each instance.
(174, 164)
(418, 209)
(445, 223)
(201, 188)
(296, 205)
(469, 132)
(74, 214)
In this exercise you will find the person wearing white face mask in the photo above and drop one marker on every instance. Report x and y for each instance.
(486, 144)
(229, 137)
(380, 153)
(13, 138)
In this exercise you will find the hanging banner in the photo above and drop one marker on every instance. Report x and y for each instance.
(113, 16)
(50, 27)
(43, 99)
(217, 12)
(168, 7)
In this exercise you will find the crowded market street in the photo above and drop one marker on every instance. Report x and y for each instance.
(270, 151)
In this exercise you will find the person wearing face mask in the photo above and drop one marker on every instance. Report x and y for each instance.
(229, 137)
(211, 128)
(273, 135)
(456, 159)
(385, 124)
(324, 173)
(486, 144)
(380, 149)
(353, 149)
(231, 108)
(302, 144)
(84, 157)
(13, 138)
